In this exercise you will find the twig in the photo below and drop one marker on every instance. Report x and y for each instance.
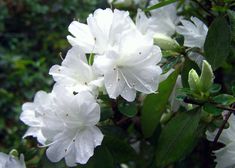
(221, 128)
(191, 101)
(230, 109)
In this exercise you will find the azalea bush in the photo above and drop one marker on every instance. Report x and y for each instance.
(143, 84)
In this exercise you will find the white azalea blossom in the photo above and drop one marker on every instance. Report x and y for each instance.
(33, 112)
(102, 31)
(194, 32)
(75, 73)
(162, 21)
(68, 125)
(132, 67)
(225, 156)
(8, 161)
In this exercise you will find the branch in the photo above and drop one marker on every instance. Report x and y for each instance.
(230, 109)
(200, 103)
(221, 128)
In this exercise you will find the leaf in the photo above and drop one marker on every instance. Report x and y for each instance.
(217, 42)
(45, 162)
(215, 88)
(101, 158)
(224, 99)
(231, 15)
(159, 5)
(120, 150)
(128, 109)
(233, 90)
(210, 108)
(177, 138)
(188, 65)
(154, 104)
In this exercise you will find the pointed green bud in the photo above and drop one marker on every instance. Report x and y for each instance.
(193, 80)
(207, 77)
(165, 42)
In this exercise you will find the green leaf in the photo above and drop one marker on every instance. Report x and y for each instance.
(45, 162)
(154, 104)
(188, 65)
(128, 109)
(224, 99)
(177, 138)
(215, 88)
(210, 108)
(233, 90)
(101, 158)
(217, 42)
(159, 5)
(231, 15)
(121, 151)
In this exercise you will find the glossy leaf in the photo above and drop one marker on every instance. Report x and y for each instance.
(120, 150)
(129, 109)
(224, 99)
(217, 42)
(177, 138)
(101, 156)
(210, 108)
(154, 104)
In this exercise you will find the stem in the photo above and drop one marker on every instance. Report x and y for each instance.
(221, 128)
(230, 109)
(191, 101)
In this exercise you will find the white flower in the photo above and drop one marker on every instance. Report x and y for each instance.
(194, 32)
(75, 73)
(131, 68)
(102, 31)
(8, 161)
(32, 115)
(162, 21)
(225, 156)
(68, 126)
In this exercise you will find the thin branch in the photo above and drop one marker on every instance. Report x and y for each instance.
(221, 128)
(191, 101)
(230, 109)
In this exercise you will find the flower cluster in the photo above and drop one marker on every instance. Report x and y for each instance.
(123, 59)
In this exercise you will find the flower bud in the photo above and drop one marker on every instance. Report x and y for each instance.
(193, 80)
(207, 77)
(165, 42)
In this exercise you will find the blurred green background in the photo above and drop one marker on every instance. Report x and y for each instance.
(32, 34)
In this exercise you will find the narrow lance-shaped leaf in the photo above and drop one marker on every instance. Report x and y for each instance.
(154, 104)
(177, 138)
(217, 42)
